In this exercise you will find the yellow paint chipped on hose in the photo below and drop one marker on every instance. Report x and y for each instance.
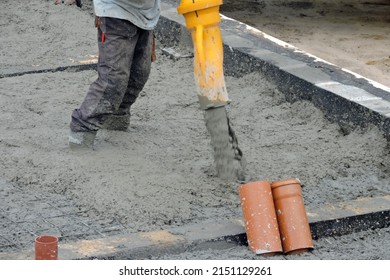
(202, 19)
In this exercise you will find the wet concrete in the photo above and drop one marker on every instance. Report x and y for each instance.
(161, 173)
(228, 157)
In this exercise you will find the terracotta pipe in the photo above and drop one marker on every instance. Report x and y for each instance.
(291, 214)
(46, 247)
(260, 218)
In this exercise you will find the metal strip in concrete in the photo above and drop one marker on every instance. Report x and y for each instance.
(330, 220)
(70, 68)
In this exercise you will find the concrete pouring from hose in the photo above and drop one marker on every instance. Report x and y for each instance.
(202, 19)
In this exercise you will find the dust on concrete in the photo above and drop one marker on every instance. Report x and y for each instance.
(161, 172)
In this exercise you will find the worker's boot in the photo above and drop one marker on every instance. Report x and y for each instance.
(117, 122)
(81, 140)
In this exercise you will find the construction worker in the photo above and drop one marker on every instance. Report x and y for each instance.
(126, 42)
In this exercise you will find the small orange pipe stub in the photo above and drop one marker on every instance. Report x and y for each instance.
(46, 247)
(291, 214)
(260, 218)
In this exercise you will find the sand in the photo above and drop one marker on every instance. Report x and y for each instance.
(160, 173)
(353, 34)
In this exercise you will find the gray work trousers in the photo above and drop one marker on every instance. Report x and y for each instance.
(123, 68)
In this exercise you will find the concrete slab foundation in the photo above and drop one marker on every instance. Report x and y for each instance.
(346, 98)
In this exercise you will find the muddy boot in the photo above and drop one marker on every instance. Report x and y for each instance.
(229, 160)
(117, 122)
(81, 140)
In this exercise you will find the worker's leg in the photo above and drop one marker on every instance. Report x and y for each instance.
(139, 74)
(106, 93)
(140, 70)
